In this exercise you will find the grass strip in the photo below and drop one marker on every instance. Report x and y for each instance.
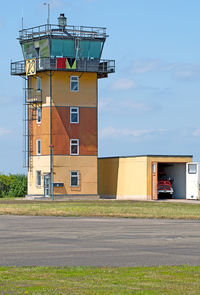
(101, 208)
(100, 281)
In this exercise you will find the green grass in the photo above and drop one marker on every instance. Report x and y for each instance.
(100, 281)
(102, 208)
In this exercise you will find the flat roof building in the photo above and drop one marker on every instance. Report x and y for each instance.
(148, 177)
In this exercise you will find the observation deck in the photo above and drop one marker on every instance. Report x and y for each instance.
(101, 67)
(62, 47)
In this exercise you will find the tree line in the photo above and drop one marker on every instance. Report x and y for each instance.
(13, 185)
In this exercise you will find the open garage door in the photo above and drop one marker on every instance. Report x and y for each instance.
(192, 181)
(171, 180)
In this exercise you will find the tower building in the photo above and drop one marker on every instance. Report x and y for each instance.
(61, 68)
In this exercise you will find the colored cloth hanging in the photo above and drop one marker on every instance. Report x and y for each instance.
(61, 62)
(71, 63)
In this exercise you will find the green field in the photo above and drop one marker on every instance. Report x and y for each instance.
(102, 208)
(93, 281)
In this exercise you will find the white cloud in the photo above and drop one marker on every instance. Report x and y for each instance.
(104, 102)
(182, 71)
(126, 104)
(196, 132)
(124, 84)
(4, 131)
(134, 106)
(116, 133)
(187, 71)
(145, 66)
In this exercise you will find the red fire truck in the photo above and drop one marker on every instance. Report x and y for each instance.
(165, 184)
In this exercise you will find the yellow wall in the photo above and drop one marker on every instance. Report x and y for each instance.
(41, 163)
(161, 159)
(87, 167)
(131, 177)
(86, 96)
(125, 178)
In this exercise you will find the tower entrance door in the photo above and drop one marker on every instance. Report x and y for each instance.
(47, 185)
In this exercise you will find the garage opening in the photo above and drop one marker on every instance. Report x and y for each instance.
(171, 180)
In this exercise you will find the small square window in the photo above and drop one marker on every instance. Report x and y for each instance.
(74, 115)
(38, 147)
(39, 115)
(74, 83)
(74, 178)
(192, 168)
(74, 147)
(38, 178)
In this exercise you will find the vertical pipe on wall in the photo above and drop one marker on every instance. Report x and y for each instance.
(51, 149)
(97, 106)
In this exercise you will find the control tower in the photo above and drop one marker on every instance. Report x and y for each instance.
(61, 68)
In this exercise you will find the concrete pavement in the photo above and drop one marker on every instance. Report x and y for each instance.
(57, 241)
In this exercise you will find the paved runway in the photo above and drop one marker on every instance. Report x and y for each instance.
(57, 241)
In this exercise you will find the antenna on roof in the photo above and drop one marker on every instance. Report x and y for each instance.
(22, 19)
(48, 6)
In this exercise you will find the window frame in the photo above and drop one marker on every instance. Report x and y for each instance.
(74, 154)
(40, 87)
(192, 168)
(40, 175)
(39, 108)
(71, 112)
(74, 171)
(38, 141)
(71, 80)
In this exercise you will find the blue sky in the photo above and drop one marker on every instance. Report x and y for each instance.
(150, 105)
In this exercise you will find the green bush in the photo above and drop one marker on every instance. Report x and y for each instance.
(18, 186)
(5, 184)
(13, 185)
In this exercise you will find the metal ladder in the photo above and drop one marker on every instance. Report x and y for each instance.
(32, 102)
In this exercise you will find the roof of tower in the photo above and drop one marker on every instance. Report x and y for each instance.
(62, 31)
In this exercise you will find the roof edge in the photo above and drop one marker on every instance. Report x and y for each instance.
(137, 156)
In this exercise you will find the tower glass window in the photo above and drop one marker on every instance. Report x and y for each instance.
(38, 147)
(74, 178)
(74, 147)
(39, 115)
(74, 83)
(38, 178)
(74, 115)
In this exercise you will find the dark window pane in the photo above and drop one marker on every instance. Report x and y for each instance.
(74, 86)
(74, 118)
(38, 178)
(74, 181)
(74, 149)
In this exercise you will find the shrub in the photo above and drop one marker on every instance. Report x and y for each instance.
(5, 184)
(18, 186)
(13, 185)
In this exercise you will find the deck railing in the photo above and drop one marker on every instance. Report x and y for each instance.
(65, 32)
(82, 65)
(33, 96)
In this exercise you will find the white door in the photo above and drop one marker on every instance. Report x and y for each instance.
(47, 185)
(154, 181)
(192, 181)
